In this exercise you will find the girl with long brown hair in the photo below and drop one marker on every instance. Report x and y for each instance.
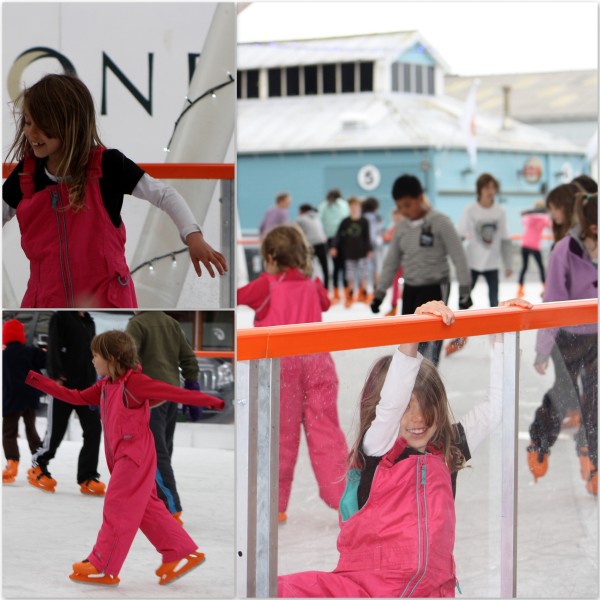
(397, 519)
(67, 193)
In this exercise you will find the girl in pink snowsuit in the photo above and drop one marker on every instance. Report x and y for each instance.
(125, 396)
(67, 192)
(397, 514)
(284, 295)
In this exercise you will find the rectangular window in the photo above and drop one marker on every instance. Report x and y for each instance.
(292, 77)
(347, 77)
(240, 74)
(406, 78)
(310, 80)
(329, 79)
(252, 83)
(430, 81)
(396, 77)
(274, 78)
(366, 76)
(419, 79)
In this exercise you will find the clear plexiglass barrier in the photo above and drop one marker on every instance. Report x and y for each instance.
(516, 534)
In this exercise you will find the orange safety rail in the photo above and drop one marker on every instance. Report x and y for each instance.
(310, 338)
(171, 170)
(214, 353)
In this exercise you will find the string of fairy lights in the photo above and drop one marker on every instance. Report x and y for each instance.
(212, 92)
(191, 103)
(150, 263)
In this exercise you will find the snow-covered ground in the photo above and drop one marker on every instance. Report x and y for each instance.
(557, 550)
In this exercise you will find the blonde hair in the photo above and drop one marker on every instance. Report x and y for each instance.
(288, 248)
(61, 106)
(118, 349)
(429, 392)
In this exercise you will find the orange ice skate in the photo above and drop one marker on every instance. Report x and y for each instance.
(167, 572)
(537, 459)
(86, 572)
(40, 478)
(93, 487)
(10, 472)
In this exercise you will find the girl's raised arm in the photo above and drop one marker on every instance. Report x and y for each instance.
(483, 418)
(85, 397)
(398, 386)
(146, 388)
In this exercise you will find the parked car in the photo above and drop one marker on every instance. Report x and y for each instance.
(215, 378)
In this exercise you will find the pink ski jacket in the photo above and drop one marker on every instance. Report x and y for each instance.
(287, 298)
(76, 258)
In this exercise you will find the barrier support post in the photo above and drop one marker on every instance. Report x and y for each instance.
(258, 452)
(510, 424)
(244, 450)
(227, 291)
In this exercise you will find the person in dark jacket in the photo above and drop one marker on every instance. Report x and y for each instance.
(70, 363)
(164, 350)
(19, 401)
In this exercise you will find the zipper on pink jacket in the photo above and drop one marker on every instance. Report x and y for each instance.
(423, 527)
(63, 247)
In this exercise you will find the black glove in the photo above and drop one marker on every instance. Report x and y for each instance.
(464, 297)
(465, 302)
(375, 304)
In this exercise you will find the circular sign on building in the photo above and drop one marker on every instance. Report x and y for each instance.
(532, 170)
(369, 177)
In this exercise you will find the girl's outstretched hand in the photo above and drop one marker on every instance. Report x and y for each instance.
(202, 252)
(438, 308)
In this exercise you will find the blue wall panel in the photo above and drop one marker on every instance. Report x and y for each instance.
(449, 184)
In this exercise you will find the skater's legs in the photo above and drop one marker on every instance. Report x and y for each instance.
(33, 439)
(290, 421)
(326, 440)
(91, 426)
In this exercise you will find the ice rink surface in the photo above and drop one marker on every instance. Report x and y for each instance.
(43, 534)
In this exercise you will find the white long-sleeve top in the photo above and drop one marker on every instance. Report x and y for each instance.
(397, 389)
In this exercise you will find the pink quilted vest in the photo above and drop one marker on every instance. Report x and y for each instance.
(76, 258)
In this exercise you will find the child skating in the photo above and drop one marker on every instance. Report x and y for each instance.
(572, 275)
(283, 295)
(67, 192)
(125, 396)
(19, 401)
(397, 514)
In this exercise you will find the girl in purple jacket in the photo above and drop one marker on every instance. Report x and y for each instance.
(397, 519)
(125, 396)
(572, 275)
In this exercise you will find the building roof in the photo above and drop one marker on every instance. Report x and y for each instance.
(372, 47)
(534, 97)
(376, 120)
